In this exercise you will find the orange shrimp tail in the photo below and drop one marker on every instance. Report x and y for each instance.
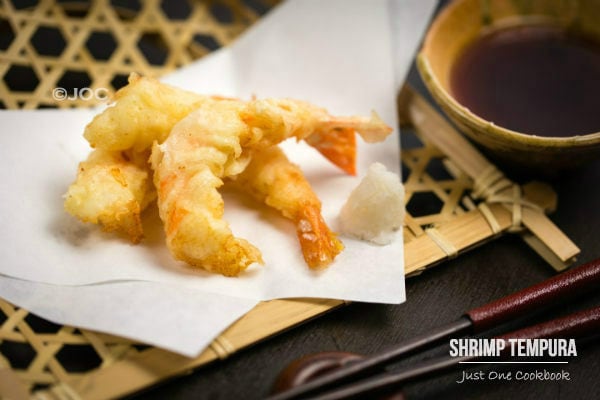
(319, 245)
(338, 146)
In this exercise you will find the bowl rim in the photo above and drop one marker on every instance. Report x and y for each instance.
(431, 80)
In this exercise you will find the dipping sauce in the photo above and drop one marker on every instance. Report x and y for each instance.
(534, 79)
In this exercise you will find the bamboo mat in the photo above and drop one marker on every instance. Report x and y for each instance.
(98, 44)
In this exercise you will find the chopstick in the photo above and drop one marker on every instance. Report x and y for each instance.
(577, 325)
(556, 289)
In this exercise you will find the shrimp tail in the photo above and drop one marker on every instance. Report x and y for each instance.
(371, 130)
(338, 146)
(319, 245)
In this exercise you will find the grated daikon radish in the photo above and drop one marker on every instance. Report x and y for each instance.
(375, 208)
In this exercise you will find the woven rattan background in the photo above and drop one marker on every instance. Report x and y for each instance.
(96, 44)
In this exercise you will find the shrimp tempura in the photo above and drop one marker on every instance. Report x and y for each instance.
(197, 141)
(218, 141)
(112, 189)
(271, 178)
(145, 111)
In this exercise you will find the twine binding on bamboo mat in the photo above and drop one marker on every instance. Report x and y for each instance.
(222, 347)
(489, 182)
(488, 185)
(59, 391)
(489, 218)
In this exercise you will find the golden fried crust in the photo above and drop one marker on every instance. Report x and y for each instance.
(196, 141)
(111, 190)
(205, 241)
(145, 111)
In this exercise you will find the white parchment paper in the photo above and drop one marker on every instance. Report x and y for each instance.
(337, 54)
(136, 310)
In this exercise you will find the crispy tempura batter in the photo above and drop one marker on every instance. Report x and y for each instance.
(145, 111)
(273, 179)
(112, 189)
(201, 149)
(217, 141)
(192, 151)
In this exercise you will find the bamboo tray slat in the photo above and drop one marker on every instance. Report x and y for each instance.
(146, 368)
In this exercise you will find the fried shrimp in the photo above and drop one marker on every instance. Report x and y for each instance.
(189, 166)
(217, 141)
(194, 143)
(145, 111)
(115, 184)
(279, 119)
(112, 189)
(271, 178)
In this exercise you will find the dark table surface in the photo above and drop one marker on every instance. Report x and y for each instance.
(436, 297)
